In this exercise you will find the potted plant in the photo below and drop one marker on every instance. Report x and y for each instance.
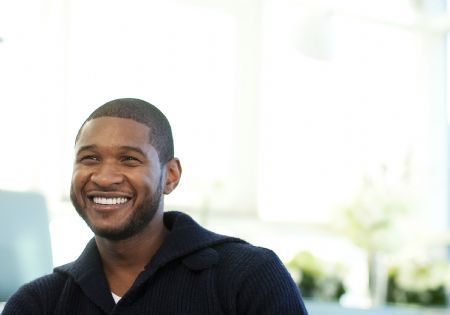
(316, 278)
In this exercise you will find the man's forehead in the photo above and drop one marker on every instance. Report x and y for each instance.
(116, 120)
(114, 129)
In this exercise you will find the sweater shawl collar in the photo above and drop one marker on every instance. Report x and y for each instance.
(186, 240)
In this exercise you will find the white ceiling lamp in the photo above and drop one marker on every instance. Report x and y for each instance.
(313, 34)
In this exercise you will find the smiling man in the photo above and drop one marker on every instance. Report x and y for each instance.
(143, 260)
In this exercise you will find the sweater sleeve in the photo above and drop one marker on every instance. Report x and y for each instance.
(268, 289)
(23, 302)
(36, 297)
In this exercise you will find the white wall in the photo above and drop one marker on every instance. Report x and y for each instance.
(279, 108)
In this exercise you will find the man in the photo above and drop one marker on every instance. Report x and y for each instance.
(142, 260)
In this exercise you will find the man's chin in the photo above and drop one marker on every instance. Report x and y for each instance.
(111, 233)
(121, 232)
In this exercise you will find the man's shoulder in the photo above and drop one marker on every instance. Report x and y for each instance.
(202, 248)
(239, 249)
(193, 238)
(242, 257)
(35, 296)
(52, 280)
(258, 277)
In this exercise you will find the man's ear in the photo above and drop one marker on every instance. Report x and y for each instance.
(173, 175)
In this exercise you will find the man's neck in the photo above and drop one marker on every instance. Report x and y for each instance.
(124, 260)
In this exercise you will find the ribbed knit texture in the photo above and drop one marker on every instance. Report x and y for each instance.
(194, 272)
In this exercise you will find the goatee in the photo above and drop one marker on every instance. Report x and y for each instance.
(135, 223)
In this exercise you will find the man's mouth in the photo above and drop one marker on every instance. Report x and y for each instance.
(110, 201)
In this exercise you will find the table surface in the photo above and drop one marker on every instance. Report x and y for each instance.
(328, 308)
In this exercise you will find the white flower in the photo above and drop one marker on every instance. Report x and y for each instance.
(422, 276)
(371, 220)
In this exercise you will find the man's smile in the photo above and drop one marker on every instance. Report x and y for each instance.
(109, 201)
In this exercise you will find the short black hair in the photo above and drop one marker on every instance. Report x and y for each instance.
(142, 112)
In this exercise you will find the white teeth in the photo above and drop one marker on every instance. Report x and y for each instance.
(109, 201)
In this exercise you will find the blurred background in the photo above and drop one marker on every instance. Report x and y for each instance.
(319, 129)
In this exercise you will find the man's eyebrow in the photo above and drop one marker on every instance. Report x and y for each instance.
(87, 148)
(123, 148)
(129, 148)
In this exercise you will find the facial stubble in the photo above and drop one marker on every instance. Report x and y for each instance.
(135, 223)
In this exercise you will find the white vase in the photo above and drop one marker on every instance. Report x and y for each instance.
(377, 278)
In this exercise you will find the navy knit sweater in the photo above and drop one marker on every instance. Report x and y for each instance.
(194, 272)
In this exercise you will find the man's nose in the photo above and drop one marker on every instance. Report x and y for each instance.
(107, 175)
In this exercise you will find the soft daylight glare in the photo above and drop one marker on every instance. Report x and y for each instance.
(336, 117)
(289, 116)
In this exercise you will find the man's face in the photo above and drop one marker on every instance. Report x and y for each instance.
(117, 179)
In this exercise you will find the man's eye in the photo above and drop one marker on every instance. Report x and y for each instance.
(130, 159)
(89, 158)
